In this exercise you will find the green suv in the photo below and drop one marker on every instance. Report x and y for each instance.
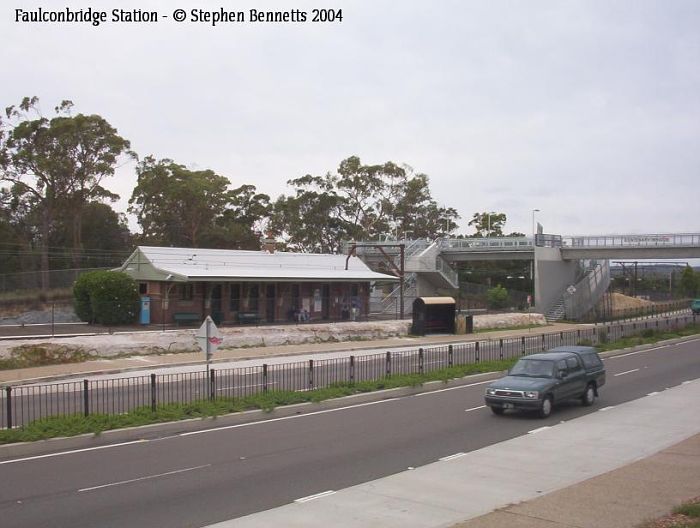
(538, 381)
(695, 306)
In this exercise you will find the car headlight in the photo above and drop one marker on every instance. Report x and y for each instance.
(490, 392)
(532, 394)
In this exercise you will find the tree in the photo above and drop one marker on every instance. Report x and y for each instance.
(488, 224)
(181, 207)
(173, 204)
(359, 202)
(241, 224)
(57, 163)
(690, 282)
(497, 297)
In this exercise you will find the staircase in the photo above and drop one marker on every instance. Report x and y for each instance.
(576, 302)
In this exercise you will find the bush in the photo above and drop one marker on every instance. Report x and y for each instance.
(82, 289)
(497, 297)
(106, 297)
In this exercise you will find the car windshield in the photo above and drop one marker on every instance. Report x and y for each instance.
(535, 368)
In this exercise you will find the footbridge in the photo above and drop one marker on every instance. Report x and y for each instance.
(570, 273)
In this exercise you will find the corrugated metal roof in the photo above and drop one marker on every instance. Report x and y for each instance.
(228, 264)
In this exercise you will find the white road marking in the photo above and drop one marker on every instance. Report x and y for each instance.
(538, 430)
(453, 388)
(475, 408)
(317, 496)
(72, 452)
(652, 349)
(606, 408)
(451, 457)
(626, 372)
(686, 382)
(293, 417)
(652, 393)
(149, 477)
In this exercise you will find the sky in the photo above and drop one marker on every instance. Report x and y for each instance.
(587, 110)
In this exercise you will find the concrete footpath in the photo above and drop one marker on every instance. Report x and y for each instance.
(613, 468)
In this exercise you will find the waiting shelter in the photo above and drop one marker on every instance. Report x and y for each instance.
(433, 315)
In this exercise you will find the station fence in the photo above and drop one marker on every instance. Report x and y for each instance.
(23, 404)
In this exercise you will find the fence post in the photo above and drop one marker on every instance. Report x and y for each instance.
(153, 392)
(387, 365)
(212, 384)
(476, 351)
(522, 345)
(449, 355)
(86, 399)
(311, 373)
(543, 344)
(352, 369)
(561, 338)
(500, 348)
(420, 361)
(8, 392)
(264, 377)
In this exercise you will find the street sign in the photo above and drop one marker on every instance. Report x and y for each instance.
(208, 337)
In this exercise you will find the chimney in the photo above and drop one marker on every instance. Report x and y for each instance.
(269, 243)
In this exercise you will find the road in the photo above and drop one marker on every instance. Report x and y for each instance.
(201, 478)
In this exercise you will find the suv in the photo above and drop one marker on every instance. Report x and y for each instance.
(537, 381)
(695, 307)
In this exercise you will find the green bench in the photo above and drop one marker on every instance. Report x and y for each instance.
(186, 318)
(248, 317)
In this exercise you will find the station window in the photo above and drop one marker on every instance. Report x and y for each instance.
(186, 292)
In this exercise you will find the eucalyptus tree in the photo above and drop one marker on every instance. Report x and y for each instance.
(57, 163)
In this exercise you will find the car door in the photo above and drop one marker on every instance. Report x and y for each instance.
(576, 377)
(561, 387)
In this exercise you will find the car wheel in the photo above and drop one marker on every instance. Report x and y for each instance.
(498, 411)
(546, 408)
(589, 396)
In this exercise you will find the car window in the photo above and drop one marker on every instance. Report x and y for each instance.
(533, 367)
(573, 364)
(561, 364)
(591, 361)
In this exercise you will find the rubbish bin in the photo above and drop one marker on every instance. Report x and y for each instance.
(469, 324)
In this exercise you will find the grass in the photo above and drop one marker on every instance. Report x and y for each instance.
(62, 426)
(648, 336)
(686, 515)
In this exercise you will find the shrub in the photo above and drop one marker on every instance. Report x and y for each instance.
(82, 288)
(112, 298)
(497, 297)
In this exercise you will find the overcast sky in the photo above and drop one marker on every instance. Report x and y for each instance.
(586, 110)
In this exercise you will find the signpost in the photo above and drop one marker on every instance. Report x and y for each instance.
(208, 339)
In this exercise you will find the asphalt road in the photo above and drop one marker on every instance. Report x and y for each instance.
(198, 479)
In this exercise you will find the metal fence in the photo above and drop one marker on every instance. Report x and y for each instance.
(21, 405)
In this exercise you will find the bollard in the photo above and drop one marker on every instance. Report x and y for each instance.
(352, 369)
(476, 352)
(387, 366)
(212, 384)
(420, 361)
(449, 355)
(153, 392)
(311, 374)
(86, 399)
(8, 391)
(264, 373)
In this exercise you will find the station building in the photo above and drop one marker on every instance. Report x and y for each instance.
(184, 285)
